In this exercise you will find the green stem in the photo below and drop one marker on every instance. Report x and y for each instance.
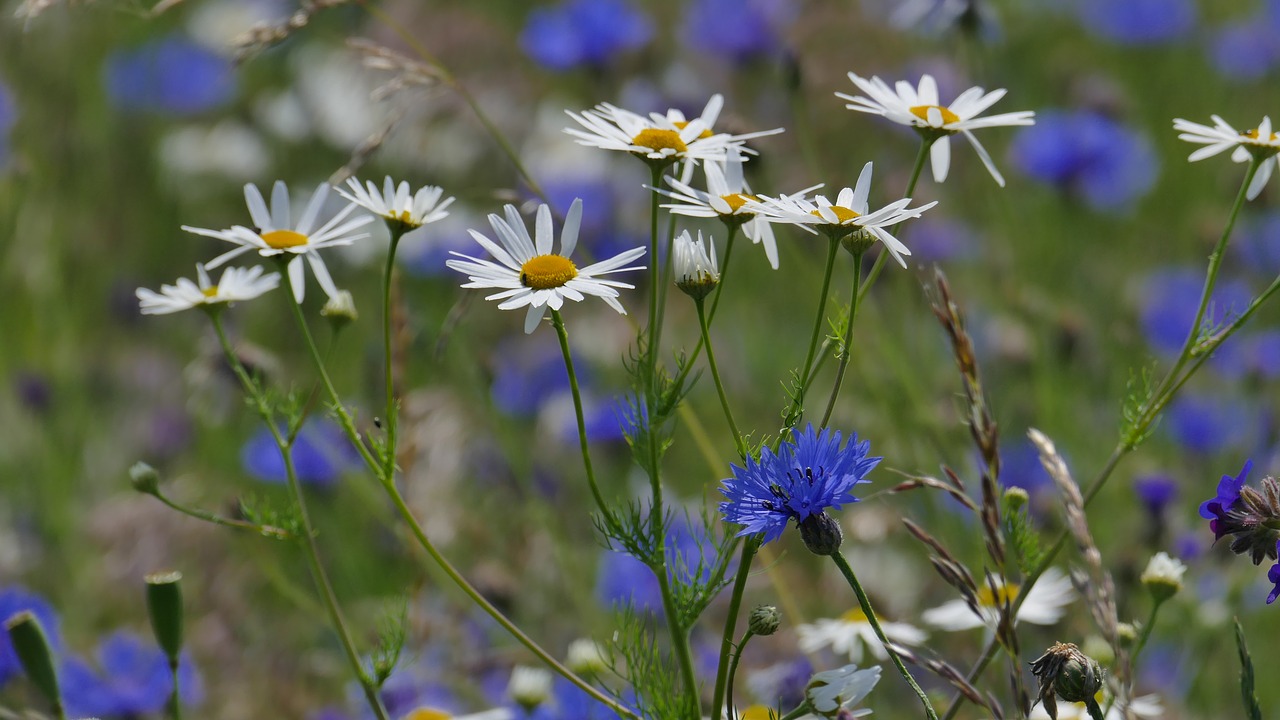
(797, 405)
(749, 548)
(1146, 631)
(563, 334)
(392, 412)
(655, 274)
(206, 516)
(318, 575)
(733, 669)
(921, 155)
(865, 603)
(715, 303)
(175, 702)
(715, 375)
(664, 285)
(679, 635)
(848, 339)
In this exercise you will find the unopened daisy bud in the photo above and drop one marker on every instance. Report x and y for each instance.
(32, 648)
(1163, 576)
(164, 605)
(340, 310)
(529, 687)
(1015, 498)
(1065, 672)
(821, 534)
(697, 273)
(585, 657)
(764, 620)
(144, 478)
(858, 241)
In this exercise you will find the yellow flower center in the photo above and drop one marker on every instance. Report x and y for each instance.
(1255, 135)
(279, 239)
(425, 713)
(922, 112)
(854, 616)
(682, 124)
(403, 216)
(210, 292)
(658, 139)
(843, 214)
(547, 271)
(737, 200)
(1002, 595)
(757, 712)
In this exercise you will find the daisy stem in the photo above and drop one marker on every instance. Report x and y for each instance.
(733, 669)
(797, 404)
(655, 271)
(318, 575)
(865, 603)
(679, 634)
(558, 321)
(749, 547)
(664, 285)
(921, 156)
(392, 411)
(715, 303)
(715, 375)
(175, 701)
(848, 338)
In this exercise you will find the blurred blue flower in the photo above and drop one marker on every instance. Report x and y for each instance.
(975, 17)
(132, 679)
(1170, 297)
(782, 684)
(584, 32)
(738, 30)
(1257, 243)
(598, 203)
(1020, 466)
(320, 455)
(410, 687)
(804, 478)
(1245, 51)
(1262, 353)
(1209, 423)
(1088, 154)
(1188, 546)
(8, 117)
(171, 75)
(527, 373)
(603, 418)
(622, 579)
(1138, 22)
(1155, 491)
(1168, 667)
(14, 600)
(940, 239)
(1273, 577)
(33, 390)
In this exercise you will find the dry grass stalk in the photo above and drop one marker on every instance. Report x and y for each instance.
(265, 35)
(948, 672)
(955, 488)
(947, 566)
(407, 73)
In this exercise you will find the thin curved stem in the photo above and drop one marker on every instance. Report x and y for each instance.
(715, 303)
(563, 335)
(715, 375)
(730, 625)
(921, 155)
(865, 603)
(797, 404)
(733, 668)
(655, 275)
(392, 411)
(848, 339)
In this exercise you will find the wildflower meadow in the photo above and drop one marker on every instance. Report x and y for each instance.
(671, 360)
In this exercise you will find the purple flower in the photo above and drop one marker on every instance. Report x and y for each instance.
(172, 75)
(584, 32)
(1273, 577)
(801, 480)
(14, 600)
(738, 30)
(134, 679)
(1214, 509)
(1138, 22)
(321, 454)
(1155, 492)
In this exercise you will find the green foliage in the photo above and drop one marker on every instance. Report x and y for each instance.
(1021, 535)
(645, 667)
(266, 514)
(1135, 427)
(392, 633)
(1247, 694)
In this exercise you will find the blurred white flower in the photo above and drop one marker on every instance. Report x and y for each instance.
(847, 634)
(1045, 604)
(1261, 142)
(236, 284)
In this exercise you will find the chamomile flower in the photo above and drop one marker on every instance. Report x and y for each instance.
(696, 271)
(275, 233)
(1261, 143)
(847, 634)
(727, 197)
(1045, 604)
(834, 692)
(396, 205)
(919, 107)
(656, 139)
(235, 285)
(709, 115)
(529, 273)
(848, 217)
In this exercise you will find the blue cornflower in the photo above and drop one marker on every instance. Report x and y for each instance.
(799, 482)
(1257, 243)
(937, 239)
(1245, 51)
(738, 30)
(320, 455)
(1215, 508)
(625, 580)
(1170, 297)
(1208, 424)
(14, 600)
(1155, 492)
(1108, 164)
(8, 116)
(134, 680)
(1273, 577)
(1138, 22)
(173, 75)
(584, 32)
(529, 372)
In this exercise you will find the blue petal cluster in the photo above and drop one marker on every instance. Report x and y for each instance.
(584, 32)
(1138, 22)
(1086, 153)
(172, 75)
(14, 600)
(320, 455)
(1273, 577)
(802, 479)
(134, 680)
(1215, 508)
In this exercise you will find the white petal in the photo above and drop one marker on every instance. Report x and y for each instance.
(940, 157)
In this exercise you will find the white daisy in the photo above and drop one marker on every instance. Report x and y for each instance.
(1261, 142)
(656, 139)
(847, 634)
(1045, 604)
(529, 273)
(396, 205)
(236, 284)
(696, 270)
(849, 215)
(709, 115)
(275, 234)
(841, 689)
(726, 198)
(920, 108)
(1147, 706)
(529, 687)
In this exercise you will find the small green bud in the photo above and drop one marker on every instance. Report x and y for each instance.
(529, 687)
(1015, 498)
(32, 649)
(821, 534)
(340, 310)
(164, 605)
(1065, 672)
(1163, 576)
(1126, 634)
(764, 620)
(858, 241)
(145, 479)
(586, 658)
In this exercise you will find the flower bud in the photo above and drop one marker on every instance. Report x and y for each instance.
(144, 478)
(1065, 672)
(1126, 634)
(585, 657)
(764, 620)
(32, 649)
(1163, 576)
(696, 271)
(821, 534)
(529, 687)
(1015, 498)
(340, 310)
(164, 605)
(858, 241)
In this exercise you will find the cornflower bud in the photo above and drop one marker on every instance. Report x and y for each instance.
(764, 620)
